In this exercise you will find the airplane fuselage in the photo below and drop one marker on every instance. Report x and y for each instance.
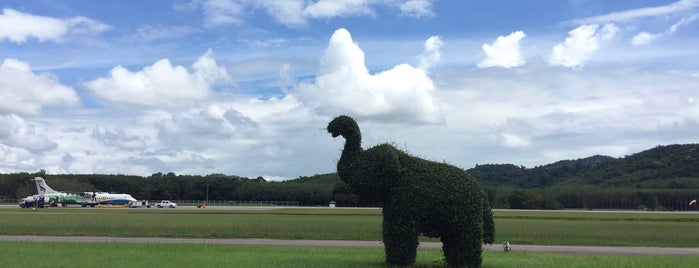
(82, 198)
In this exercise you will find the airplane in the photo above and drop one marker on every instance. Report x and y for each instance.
(85, 199)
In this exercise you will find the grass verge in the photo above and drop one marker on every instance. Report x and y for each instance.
(64, 254)
(518, 227)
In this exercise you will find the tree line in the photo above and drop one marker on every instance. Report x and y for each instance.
(661, 178)
(308, 191)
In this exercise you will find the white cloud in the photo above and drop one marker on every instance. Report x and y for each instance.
(416, 8)
(15, 132)
(18, 27)
(344, 85)
(160, 84)
(431, 53)
(683, 22)
(151, 33)
(626, 15)
(550, 113)
(287, 12)
(211, 122)
(337, 8)
(514, 141)
(581, 43)
(24, 92)
(504, 52)
(643, 38)
(298, 12)
(222, 12)
(118, 138)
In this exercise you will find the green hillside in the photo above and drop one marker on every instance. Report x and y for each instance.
(663, 167)
(661, 178)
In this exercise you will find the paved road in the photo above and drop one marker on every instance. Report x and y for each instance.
(351, 243)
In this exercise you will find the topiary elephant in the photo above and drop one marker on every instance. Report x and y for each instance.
(418, 197)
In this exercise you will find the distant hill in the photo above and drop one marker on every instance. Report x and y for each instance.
(662, 167)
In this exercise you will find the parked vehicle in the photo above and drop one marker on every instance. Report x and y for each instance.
(166, 204)
(139, 204)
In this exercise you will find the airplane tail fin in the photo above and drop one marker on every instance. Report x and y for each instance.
(42, 187)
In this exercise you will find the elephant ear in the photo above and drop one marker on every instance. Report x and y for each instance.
(387, 167)
(375, 173)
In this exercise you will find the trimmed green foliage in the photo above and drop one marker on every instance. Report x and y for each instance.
(418, 197)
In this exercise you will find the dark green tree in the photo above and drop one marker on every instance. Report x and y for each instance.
(417, 196)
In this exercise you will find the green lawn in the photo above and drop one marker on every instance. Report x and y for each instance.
(60, 254)
(518, 227)
(598, 228)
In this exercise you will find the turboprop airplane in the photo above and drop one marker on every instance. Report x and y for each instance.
(83, 198)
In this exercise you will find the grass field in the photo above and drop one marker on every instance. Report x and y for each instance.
(55, 254)
(518, 227)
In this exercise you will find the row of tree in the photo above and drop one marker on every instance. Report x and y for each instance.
(308, 191)
(662, 178)
(593, 198)
(319, 190)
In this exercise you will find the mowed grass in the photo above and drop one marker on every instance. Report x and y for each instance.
(598, 228)
(359, 224)
(518, 227)
(64, 254)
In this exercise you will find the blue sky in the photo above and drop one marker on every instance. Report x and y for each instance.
(245, 87)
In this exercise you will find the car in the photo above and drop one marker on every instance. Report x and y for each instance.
(166, 203)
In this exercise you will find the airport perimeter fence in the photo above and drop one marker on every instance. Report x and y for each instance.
(213, 203)
(6, 200)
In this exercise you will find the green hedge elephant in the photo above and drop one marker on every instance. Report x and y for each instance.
(418, 197)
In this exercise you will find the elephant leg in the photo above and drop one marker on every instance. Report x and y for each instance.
(462, 245)
(400, 240)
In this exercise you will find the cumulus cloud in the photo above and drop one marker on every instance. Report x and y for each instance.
(344, 85)
(563, 111)
(15, 132)
(287, 12)
(205, 129)
(25, 92)
(18, 27)
(160, 84)
(504, 52)
(643, 38)
(581, 43)
(118, 138)
(431, 54)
